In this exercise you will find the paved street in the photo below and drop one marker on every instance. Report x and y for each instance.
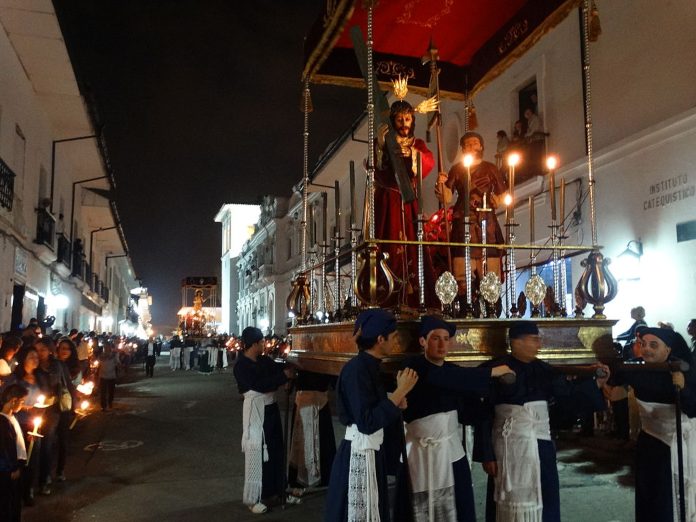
(170, 451)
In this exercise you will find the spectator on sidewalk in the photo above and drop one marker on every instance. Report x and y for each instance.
(107, 372)
(10, 347)
(151, 358)
(25, 376)
(83, 352)
(13, 453)
(67, 354)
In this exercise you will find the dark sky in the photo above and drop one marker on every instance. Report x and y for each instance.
(200, 105)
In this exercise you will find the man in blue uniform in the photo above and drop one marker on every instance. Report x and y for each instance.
(258, 377)
(656, 449)
(358, 484)
(445, 395)
(514, 442)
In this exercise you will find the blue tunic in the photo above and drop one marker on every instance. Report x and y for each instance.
(263, 376)
(361, 400)
(536, 381)
(653, 498)
(441, 389)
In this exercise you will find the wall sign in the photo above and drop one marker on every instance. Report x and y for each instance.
(668, 191)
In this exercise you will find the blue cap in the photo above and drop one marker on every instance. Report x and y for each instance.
(251, 335)
(431, 322)
(522, 328)
(375, 322)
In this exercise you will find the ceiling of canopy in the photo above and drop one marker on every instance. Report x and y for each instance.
(475, 39)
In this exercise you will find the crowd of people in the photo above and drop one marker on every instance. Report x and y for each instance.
(46, 380)
(410, 427)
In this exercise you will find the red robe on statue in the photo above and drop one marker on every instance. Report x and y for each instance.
(390, 225)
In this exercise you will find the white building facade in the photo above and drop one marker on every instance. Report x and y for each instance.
(62, 250)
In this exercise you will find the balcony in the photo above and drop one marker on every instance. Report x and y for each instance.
(63, 250)
(6, 186)
(45, 227)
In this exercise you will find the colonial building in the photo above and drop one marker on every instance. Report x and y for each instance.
(238, 224)
(63, 253)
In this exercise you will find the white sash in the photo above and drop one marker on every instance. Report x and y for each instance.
(658, 420)
(21, 448)
(516, 430)
(433, 444)
(363, 491)
(304, 450)
(254, 443)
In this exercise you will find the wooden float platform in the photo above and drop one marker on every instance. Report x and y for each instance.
(325, 348)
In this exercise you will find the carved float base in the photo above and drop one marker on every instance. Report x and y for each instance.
(326, 348)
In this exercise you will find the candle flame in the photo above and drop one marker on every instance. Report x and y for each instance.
(507, 200)
(84, 405)
(468, 160)
(37, 423)
(513, 159)
(86, 388)
(40, 400)
(551, 162)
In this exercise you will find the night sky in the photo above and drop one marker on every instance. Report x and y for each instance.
(200, 101)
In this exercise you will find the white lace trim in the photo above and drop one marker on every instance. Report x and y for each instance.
(254, 444)
(518, 483)
(363, 491)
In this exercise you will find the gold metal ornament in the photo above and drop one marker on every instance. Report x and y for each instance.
(429, 105)
(400, 86)
(535, 290)
(490, 288)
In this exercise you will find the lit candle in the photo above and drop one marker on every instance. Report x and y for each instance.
(531, 220)
(468, 161)
(353, 221)
(419, 174)
(84, 406)
(40, 402)
(513, 161)
(324, 211)
(551, 165)
(37, 425)
(508, 201)
(337, 209)
(562, 201)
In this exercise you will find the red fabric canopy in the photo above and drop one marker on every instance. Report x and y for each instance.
(475, 39)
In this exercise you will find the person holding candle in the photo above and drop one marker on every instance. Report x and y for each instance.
(486, 185)
(394, 218)
(258, 377)
(10, 346)
(67, 354)
(54, 379)
(13, 453)
(25, 376)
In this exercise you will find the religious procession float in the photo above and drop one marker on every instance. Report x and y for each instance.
(199, 314)
(453, 262)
